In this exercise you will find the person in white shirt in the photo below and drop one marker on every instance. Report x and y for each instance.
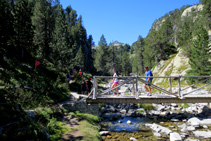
(115, 82)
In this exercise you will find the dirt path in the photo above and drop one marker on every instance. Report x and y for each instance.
(75, 134)
(73, 123)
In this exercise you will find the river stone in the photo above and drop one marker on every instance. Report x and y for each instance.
(129, 122)
(123, 112)
(120, 121)
(103, 110)
(159, 128)
(194, 122)
(192, 140)
(104, 133)
(183, 135)
(164, 113)
(160, 107)
(202, 134)
(175, 120)
(184, 129)
(205, 122)
(205, 126)
(131, 112)
(206, 111)
(174, 104)
(31, 114)
(191, 128)
(158, 135)
(112, 109)
(182, 126)
(175, 137)
(133, 139)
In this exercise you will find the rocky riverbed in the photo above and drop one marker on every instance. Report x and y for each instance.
(174, 122)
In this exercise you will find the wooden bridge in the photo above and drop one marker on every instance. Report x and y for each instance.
(168, 96)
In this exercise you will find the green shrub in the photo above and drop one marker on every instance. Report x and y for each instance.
(146, 107)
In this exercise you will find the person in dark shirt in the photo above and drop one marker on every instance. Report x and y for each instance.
(89, 85)
(83, 87)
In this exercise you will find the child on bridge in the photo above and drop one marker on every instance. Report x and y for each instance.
(115, 82)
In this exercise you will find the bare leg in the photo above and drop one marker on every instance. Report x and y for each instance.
(117, 89)
(113, 90)
(150, 89)
(145, 86)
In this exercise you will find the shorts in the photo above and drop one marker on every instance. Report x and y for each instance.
(149, 83)
(83, 89)
(116, 83)
(89, 90)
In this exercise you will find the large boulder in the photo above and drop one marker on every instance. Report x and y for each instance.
(160, 107)
(203, 134)
(123, 111)
(195, 122)
(158, 128)
(175, 137)
(206, 111)
(104, 133)
(131, 112)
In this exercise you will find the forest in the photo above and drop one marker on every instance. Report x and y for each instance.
(44, 31)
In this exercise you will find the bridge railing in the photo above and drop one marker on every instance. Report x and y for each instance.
(136, 79)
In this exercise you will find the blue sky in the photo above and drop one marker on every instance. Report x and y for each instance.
(122, 20)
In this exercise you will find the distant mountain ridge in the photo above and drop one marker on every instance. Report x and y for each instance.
(115, 43)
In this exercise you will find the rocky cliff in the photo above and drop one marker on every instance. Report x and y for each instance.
(177, 64)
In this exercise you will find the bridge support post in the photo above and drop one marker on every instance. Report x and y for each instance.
(95, 88)
(179, 88)
(137, 96)
(170, 85)
(133, 89)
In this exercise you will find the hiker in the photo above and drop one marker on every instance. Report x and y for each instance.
(149, 81)
(83, 87)
(115, 82)
(74, 72)
(89, 85)
(68, 77)
(80, 72)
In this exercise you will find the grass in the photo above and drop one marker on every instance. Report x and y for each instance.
(182, 68)
(146, 107)
(168, 72)
(49, 118)
(88, 126)
(84, 116)
(184, 105)
(89, 131)
(167, 62)
(127, 93)
(140, 111)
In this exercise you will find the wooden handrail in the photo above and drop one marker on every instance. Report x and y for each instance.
(134, 77)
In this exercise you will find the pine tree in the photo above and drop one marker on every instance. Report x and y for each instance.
(200, 55)
(41, 21)
(101, 56)
(80, 59)
(6, 29)
(23, 27)
(207, 11)
(138, 60)
(89, 61)
(60, 52)
(126, 66)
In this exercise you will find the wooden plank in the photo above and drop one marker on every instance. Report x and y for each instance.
(153, 77)
(152, 99)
